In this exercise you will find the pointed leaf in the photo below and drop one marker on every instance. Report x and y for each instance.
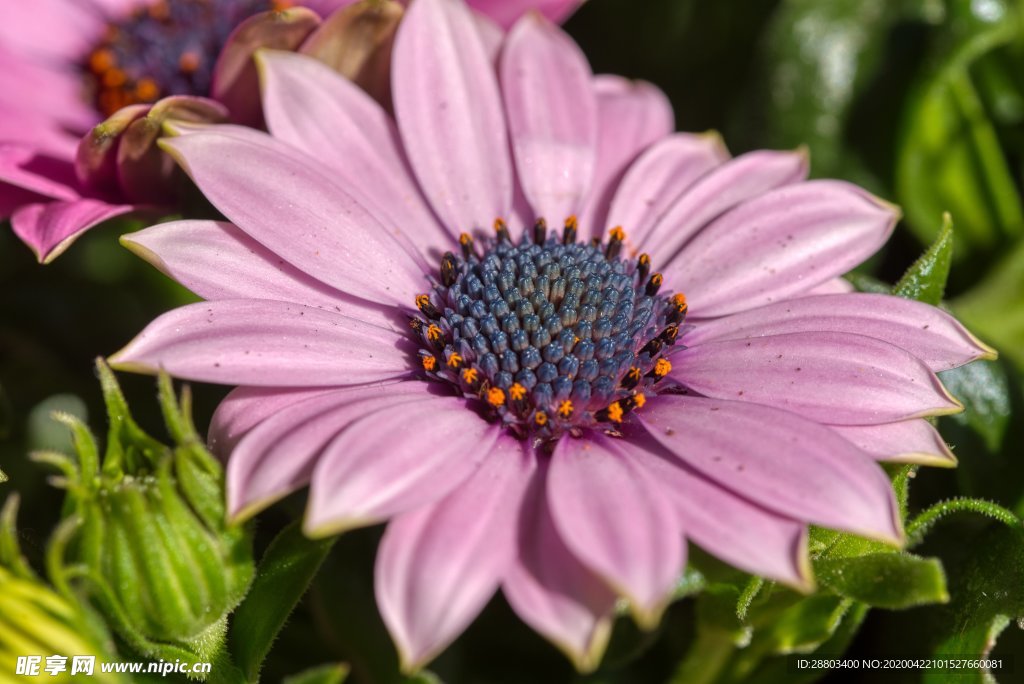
(925, 280)
(885, 580)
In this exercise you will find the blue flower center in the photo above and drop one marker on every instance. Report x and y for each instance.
(550, 334)
(168, 47)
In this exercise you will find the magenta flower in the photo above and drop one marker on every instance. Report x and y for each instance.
(68, 65)
(535, 409)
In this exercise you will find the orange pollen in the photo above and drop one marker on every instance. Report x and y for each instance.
(102, 60)
(281, 5)
(656, 279)
(615, 412)
(617, 234)
(639, 400)
(455, 360)
(422, 300)
(159, 10)
(114, 78)
(565, 409)
(500, 225)
(433, 332)
(429, 363)
(495, 397)
(572, 222)
(644, 260)
(469, 375)
(679, 301)
(517, 392)
(541, 418)
(662, 367)
(189, 62)
(147, 90)
(634, 373)
(465, 239)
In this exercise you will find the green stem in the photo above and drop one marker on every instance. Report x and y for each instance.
(709, 655)
(927, 519)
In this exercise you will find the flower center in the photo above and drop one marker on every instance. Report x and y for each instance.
(168, 47)
(552, 335)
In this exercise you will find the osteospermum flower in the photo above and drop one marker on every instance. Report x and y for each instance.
(544, 337)
(68, 65)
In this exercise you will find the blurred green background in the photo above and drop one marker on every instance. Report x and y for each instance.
(920, 101)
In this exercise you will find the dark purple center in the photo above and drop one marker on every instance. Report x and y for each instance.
(168, 47)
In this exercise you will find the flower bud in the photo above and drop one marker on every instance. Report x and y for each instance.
(37, 622)
(151, 541)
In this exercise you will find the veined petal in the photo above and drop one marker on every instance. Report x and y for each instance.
(778, 460)
(729, 185)
(235, 82)
(438, 566)
(49, 228)
(632, 115)
(728, 526)
(217, 260)
(616, 520)
(308, 105)
(552, 591)
(506, 12)
(373, 471)
(906, 441)
(246, 407)
(830, 377)
(297, 211)
(552, 116)
(277, 456)
(262, 342)
(24, 167)
(780, 244)
(659, 176)
(450, 116)
(925, 331)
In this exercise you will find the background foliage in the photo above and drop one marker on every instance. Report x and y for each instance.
(920, 101)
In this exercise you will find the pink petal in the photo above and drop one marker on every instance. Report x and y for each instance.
(830, 377)
(779, 460)
(49, 228)
(925, 331)
(659, 176)
(277, 456)
(506, 12)
(235, 82)
(730, 527)
(552, 116)
(449, 114)
(246, 407)
(59, 31)
(729, 185)
(552, 591)
(293, 207)
(46, 93)
(25, 167)
(262, 342)
(374, 471)
(438, 566)
(329, 118)
(780, 244)
(632, 115)
(908, 441)
(216, 260)
(616, 520)
(835, 286)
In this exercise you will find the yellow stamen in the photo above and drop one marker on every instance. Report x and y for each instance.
(434, 333)
(662, 367)
(189, 62)
(455, 360)
(429, 363)
(102, 60)
(639, 400)
(517, 392)
(147, 90)
(541, 418)
(565, 409)
(679, 301)
(470, 375)
(615, 412)
(495, 397)
(617, 234)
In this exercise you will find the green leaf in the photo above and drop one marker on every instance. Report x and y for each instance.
(325, 674)
(987, 596)
(926, 278)
(994, 308)
(984, 390)
(885, 580)
(285, 571)
(818, 58)
(949, 156)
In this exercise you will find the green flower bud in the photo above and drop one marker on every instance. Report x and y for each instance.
(150, 542)
(37, 622)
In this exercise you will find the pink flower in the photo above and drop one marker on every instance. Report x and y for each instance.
(557, 419)
(68, 65)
